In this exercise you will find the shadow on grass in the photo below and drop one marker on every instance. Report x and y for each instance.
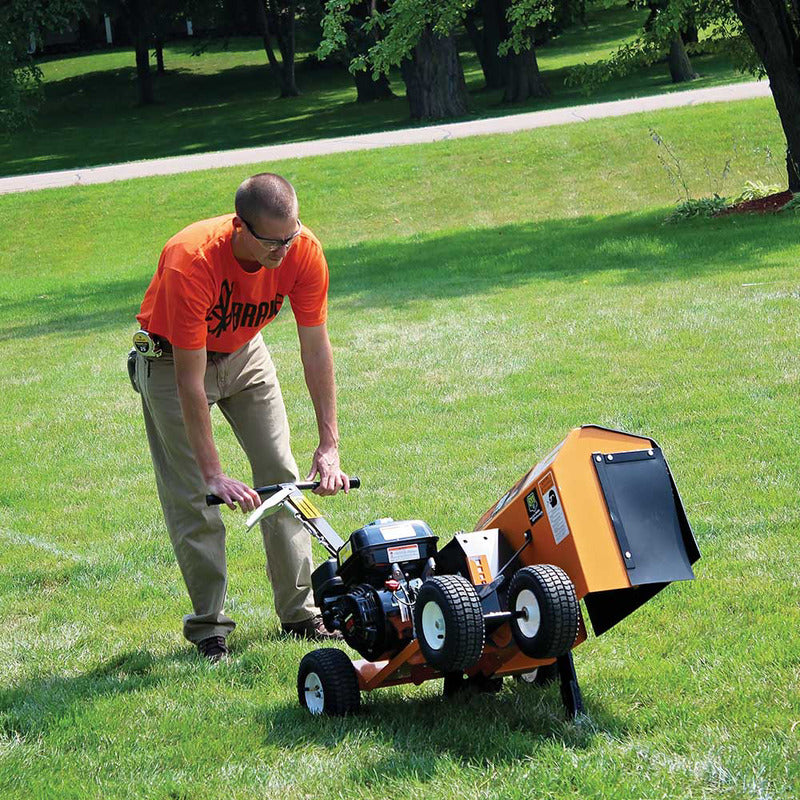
(470, 729)
(35, 705)
(631, 248)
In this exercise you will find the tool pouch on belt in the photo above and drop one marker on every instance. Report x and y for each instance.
(132, 369)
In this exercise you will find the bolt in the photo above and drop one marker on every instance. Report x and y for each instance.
(610, 457)
(627, 554)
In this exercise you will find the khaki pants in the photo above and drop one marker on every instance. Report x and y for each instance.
(246, 389)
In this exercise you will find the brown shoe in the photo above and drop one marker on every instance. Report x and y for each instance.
(312, 628)
(213, 649)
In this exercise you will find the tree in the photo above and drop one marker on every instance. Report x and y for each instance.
(434, 77)
(360, 37)
(773, 27)
(147, 22)
(277, 17)
(676, 32)
(20, 77)
(669, 25)
(761, 36)
(417, 36)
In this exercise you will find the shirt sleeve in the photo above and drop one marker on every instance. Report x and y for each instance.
(309, 295)
(182, 301)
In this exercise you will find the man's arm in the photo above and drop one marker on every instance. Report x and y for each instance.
(190, 370)
(317, 357)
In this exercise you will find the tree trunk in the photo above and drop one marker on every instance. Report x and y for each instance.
(144, 77)
(369, 90)
(680, 68)
(774, 29)
(160, 56)
(523, 79)
(359, 41)
(282, 71)
(140, 29)
(282, 20)
(487, 40)
(434, 78)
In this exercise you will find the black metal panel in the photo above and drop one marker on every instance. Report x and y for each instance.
(644, 511)
(655, 539)
(606, 609)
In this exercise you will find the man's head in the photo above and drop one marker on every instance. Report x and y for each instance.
(266, 216)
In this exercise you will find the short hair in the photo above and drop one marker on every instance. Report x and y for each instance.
(265, 194)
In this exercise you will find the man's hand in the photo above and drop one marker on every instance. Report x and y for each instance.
(232, 491)
(326, 464)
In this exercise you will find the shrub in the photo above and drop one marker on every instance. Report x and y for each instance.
(755, 190)
(700, 207)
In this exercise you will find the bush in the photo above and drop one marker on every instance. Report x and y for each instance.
(700, 207)
(793, 204)
(755, 190)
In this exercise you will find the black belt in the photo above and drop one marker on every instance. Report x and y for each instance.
(151, 345)
(166, 347)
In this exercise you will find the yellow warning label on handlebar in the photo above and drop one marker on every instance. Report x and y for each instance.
(305, 507)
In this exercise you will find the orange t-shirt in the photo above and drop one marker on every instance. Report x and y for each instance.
(200, 295)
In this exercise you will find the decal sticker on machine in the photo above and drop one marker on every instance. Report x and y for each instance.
(345, 551)
(400, 531)
(552, 505)
(406, 552)
(534, 506)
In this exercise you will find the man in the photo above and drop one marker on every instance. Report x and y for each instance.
(218, 283)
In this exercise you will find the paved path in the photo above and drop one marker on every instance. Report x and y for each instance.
(432, 133)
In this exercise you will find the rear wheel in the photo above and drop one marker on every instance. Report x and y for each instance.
(548, 614)
(327, 683)
(449, 623)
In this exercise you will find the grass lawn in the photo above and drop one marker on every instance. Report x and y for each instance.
(484, 300)
(226, 99)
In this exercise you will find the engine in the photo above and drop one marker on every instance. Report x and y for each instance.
(368, 592)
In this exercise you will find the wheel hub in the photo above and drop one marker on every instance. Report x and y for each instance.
(433, 625)
(531, 616)
(314, 693)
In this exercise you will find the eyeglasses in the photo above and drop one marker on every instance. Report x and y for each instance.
(274, 244)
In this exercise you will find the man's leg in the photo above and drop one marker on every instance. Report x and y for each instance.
(196, 531)
(254, 407)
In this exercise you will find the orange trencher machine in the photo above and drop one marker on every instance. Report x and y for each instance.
(599, 520)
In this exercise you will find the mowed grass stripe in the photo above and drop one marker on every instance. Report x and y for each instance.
(479, 309)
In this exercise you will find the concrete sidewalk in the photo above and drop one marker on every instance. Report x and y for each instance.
(432, 133)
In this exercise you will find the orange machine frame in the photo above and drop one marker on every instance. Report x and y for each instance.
(558, 514)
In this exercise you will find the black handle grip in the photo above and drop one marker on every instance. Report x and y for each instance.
(213, 500)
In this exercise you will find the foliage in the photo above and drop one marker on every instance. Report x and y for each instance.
(698, 207)
(20, 77)
(755, 190)
(524, 16)
(793, 204)
(722, 32)
(399, 24)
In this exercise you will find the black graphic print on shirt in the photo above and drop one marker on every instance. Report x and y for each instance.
(228, 314)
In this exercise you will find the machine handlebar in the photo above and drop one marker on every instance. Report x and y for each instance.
(214, 500)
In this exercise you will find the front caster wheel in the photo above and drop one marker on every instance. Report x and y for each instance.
(327, 683)
(548, 614)
(449, 623)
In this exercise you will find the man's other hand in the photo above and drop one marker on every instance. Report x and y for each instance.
(232, 491)
(331, 478)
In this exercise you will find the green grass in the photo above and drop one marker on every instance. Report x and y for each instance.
(227, 99)
(484, 300)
